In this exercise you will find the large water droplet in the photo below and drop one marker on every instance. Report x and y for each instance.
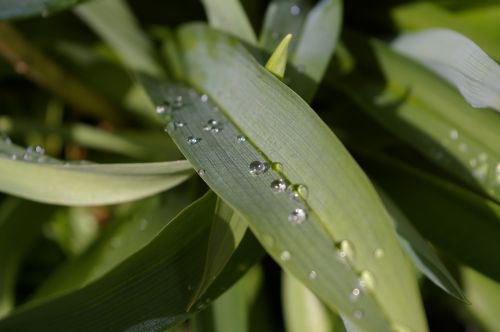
(285, 256)
(345, 250)
(241, 138)
(454, 134)
(295, 10)
(278, 186)
(313, 275)
(258, 167)
(193, 140)
(366, 280)
(201, 172)
(297, 216)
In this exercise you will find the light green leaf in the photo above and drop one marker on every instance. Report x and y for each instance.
(229, 16)
(484, 295)
(10, 9)
(277, 62)
(47, 180)
(426, 112)
(279, 129)
(419, 251)
(114, 22)
(458, 60)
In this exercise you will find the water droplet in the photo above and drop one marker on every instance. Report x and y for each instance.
(355, 293)
(295, 10)
(298, 216)
(160, 109)
(193, 140)
(204, 98)
(6, 139)
(481, 172)
(378, 253)
(278, 186)
(241, 138)
(463, 147)
(285, 256)
(345, 250)
(258, 167)
(366, 280)
(213, 126)
(473, 162)
(294, 196)
(454, 134)
(277, 167)
(144, 224)
(13, 157)
(178, 102)
(39, 149)
(302, 190)
(201, 172)
(358, 314)
(313, 275)
(179, 124)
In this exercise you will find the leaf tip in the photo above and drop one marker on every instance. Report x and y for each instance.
(277, 62)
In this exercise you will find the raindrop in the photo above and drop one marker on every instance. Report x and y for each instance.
(213, 126)
(179, 124)
(298, 216)
(358, 314)
(294, 196)
(160, 109)
(278, 186)
(258, 167)
(366, 280)
(13, 157)
(285, 256)
(204, 98)
(201, 172)
(193, 140)
(144, 224)
(481, 172)
(241, 138)
(462, 147)
(39, 149)
(178, 102)
(454, 134)
(277, 167)
(345, 250)
(355, 293)
(378, 253)
(313, 275)
(295, 10)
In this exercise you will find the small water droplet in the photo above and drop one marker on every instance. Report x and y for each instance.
(13, 157)
(241, 138)
(258, 167)
(285, 256)
(358, 314)
(295, 10)
(213, 126)
(39, 149)
(161, 109)
(178, 102)
(277, 167)
(278, 186)
(463, 147)
(204, 98)
(144, 224)
(345, 250)
(313, 275)
(179, 124)
(193, 140)
(481, 172)
(294, 196)
(378, 253)
(201, 172)
(355, 293)
(366, 280)
(297, 216)
(454, 134)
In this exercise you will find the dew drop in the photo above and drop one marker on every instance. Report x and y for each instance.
(294, 196)
(379, 253)
(241, 138)
(313, 275)
(355, 293)
(345, 250)
(258, 167)
(39, 149)
(297, 216)
(13, 157)
(366, 280)
(161, 109)
(295, 10)
(178, 102)
(204, 98)
(193, 140)
(454, 134)
(179, 124)
(143, 225)
(201, 172)
(278, 186)
(285, 256)
(358, 314)
(277, 167)
(213, 126)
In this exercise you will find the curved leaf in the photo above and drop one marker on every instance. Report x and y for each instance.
(258, 120)
(43, 179)
(458, 60)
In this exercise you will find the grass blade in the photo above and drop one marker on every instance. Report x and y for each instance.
(11, 9)
(37, 177)
(222, 158)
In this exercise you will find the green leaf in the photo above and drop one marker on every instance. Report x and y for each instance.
(484, 295)
(114, 22)
(427, 113)
(10, 9)
(458, 60)
(447, 215)
(421, 254)
(303, 311)
(229, 16)
(277, 62)
(36, 177)
(20, 227)
(279, 129)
